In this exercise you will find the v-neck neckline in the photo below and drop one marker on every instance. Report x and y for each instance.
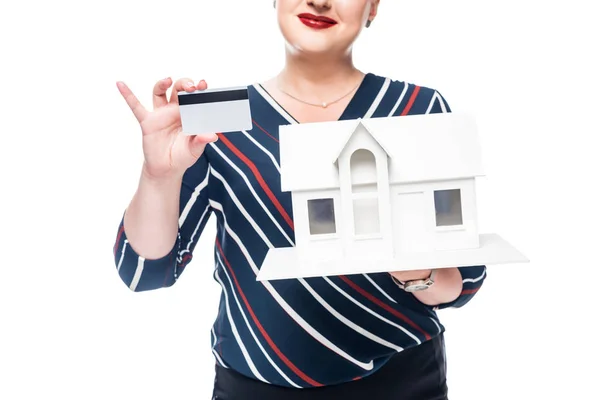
(290, 118)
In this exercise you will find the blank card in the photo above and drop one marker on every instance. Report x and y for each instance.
(215, 111)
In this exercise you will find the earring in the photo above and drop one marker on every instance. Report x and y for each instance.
(368, 23)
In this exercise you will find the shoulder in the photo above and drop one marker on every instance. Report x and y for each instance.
(413, 97)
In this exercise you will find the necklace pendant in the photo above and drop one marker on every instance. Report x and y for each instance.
(324, 105)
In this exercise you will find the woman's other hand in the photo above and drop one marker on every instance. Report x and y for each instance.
(167, 153)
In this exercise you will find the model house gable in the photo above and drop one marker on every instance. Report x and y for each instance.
(360, 137)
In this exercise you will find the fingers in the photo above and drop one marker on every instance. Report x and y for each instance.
(184, 84)
(159, 93)
(197, 143)
(201, 85)
(138, 109)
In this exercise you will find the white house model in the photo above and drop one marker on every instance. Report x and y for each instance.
(383, 194)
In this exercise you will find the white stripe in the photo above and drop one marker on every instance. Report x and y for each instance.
(242, 209)
(237, 335)
(213, 334)
(200, 221)
(431, 103)
(122, 254)
(444, 109)
(219, 360)
(193, 198)
(475, 280)
(138, 274)
(347, 322)
(274, 104)
(285, 306)
(379, 288)
(264, 207)
(214, 342)
(377, 101)
(250, 327)
(436, 324)
(399, 99)
(263, 149)
(416, 339)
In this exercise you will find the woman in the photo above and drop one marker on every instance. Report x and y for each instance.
(343, 337)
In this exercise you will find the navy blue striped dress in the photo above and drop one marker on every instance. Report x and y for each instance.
(297, 333)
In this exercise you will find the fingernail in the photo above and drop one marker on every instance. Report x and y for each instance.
(189, 84)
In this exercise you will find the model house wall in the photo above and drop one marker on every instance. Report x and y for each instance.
(356, 197)
(434, 216)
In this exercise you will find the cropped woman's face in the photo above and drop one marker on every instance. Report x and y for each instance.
(323, 26)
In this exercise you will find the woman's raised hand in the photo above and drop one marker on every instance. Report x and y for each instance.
(167, 153)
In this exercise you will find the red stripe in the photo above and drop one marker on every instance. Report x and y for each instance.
(411, 101)
(259, 178)
(268, 134)
(287, 362)
(468, 291)
(384, 306)
(118, 240)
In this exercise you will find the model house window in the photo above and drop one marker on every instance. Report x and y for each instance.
(448, 207)
(365, 197)
(321, 216)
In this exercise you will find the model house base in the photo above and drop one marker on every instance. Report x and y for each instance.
(285, 263)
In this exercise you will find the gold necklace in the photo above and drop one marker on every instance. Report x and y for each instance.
(323, 104)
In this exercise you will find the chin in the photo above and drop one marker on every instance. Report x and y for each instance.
(315, 45)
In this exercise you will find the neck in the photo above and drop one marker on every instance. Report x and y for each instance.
(318, 78)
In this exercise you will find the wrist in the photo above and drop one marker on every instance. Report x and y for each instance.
(411, 281)
(447, 288)
(165, 180)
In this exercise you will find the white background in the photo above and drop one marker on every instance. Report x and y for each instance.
(70, 157)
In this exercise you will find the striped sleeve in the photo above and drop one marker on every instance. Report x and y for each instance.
(141, 274)
(472, 280)
(473, 276)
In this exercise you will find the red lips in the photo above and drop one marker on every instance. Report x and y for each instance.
(316, 21)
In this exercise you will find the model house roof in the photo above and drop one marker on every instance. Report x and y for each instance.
(425, 147)
(357, 124)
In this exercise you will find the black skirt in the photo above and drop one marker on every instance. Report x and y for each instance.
(417, 373)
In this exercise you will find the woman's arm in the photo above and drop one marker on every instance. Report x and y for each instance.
(151, 220)
(160, 228)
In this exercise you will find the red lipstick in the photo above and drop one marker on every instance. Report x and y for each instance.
(316, 22)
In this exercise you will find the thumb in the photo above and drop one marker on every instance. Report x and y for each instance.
(199, 142)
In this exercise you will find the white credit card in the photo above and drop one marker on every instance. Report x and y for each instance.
(215, 111)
